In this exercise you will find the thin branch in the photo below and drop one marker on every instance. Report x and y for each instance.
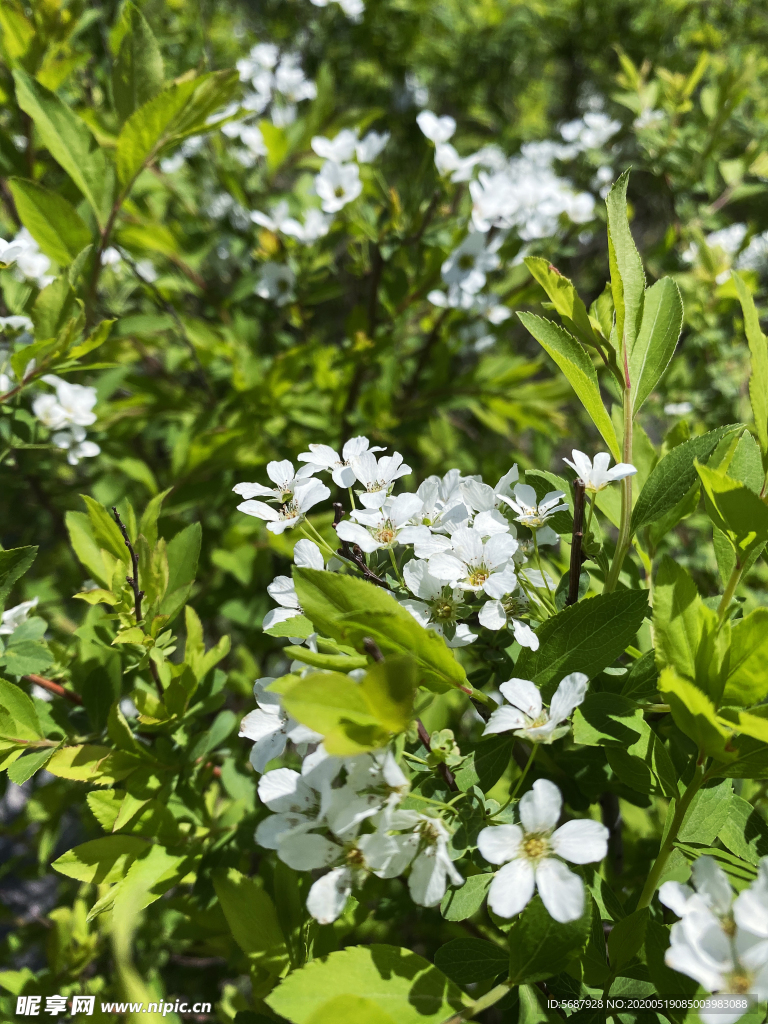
(578, 536)
(133, 580)
(55, 688)
(353, 553)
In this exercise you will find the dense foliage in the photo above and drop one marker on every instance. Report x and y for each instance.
(495, 415)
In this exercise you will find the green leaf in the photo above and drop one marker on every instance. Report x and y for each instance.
(707, 814)
(747, 681)
(468, 960)
(627, 276)
(150, 875)
(26, 656)
(96, 338)
(758, 347)
(642, 679)
(149, 128)
(539, 946)
(298, 626)
(70, 143)
(459, 904)
(585, 637)
(183, 554)
(101, 860)
(745, 832)
(679, 618)
(105, 530)
(564, 298)
(14, 562)
(746, 466)
(85, 547)
(54, 308)
(626, 938)
(349, 610)
(656, 340)
(340, 662)
(673, 477)
(402, 984)
(577, 367)
(734, 509)
(137, 74)
(252, 919)
(26, 766)
(54, 223)
(101, 766)
(694, 714)
(485, 765)
(348, 1010)
(21, 709)
(354, 717)
(607, 719)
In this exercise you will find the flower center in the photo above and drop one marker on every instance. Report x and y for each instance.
(478, 576)
(338, 191)
(466, 262)
(740, 982)
(729, 927)
(535, 847)
(290, 510)
(385, 534)
(428, 832)
(443, 610)
(354, 858)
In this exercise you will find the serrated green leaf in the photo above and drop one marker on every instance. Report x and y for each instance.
(252, 919)
(758, 348)
(469, 960)
(627, 275)
(465, 901)
(137, 74)
(101, 860)
(14, 562)
(539, 946)
(652, 350)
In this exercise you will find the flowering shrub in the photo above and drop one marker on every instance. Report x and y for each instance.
(496, 560)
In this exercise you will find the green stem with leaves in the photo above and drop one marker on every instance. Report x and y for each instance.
(495, 995)
(681, 807)
(625, 530)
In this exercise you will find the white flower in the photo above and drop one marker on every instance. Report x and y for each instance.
(443, 510)
(372, 782)
(469, 263)
(111, 256)
(13, 617)
(720, 943)
(337, 185)
(591, 131)
(31, 264)
(9, 252)
(16, 323)
(270, 727)
(678, 408)
(448, 161)
(276, 282)
(352, 8)
(371, 146)
(322, 456)
(290, 81)
(595, 476)
(383, 527)
(438, 607)
(498, 613)
(533, 513)
(283, 476)
(377, 476)
(316, 225)
(306, 495)
(339, 149)
(253, 140)
(437, 129)
(72, 406)
(432, 867)
(296, 808)
(73, 441)
(531, 856)
(528, 718)
(275, 220)
(474, 565)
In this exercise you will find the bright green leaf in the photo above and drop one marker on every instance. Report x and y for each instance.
(655, 344)
(54, 223)
(758, 348)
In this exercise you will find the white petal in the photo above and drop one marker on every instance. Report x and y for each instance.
(277, 615)
(540, 807)
(430, 544)
(751, 912)
(569, 694)
(264, 750)
(524, 695)
(489, 523)
(420, 611)
(255, 490)
(269, 831)
(405, 507)
(468, 545)
(462, 637)
(500, 583)
(504, 719)
(445, 566)
(260, 723)
(621, 470)
(353, 533)
(581, 842)
(388, 856)
(420, 581)
(284, 790)
(307, 851)
(282, 590)
(328, 896)
(512, 888)
(280, 473)
(343, 476)
(499, 549)
(427, 881)
(500, 843)
(526, 494)
(307, 555)
(492, 615)
(524, 635)
(259, 509)
(712, 883)
(675, 896)
(561, 891)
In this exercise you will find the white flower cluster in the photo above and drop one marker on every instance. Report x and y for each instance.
(24, 254)
(752, 256)
(68, 413)
(338, 182)
(720, 942)
(452, 543)
(18, 330)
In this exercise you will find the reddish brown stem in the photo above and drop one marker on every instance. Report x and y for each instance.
(55, 688)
